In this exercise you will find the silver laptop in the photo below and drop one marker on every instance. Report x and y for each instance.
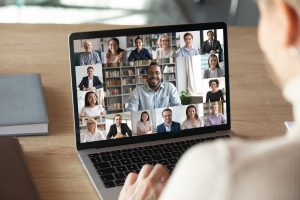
(145, 95)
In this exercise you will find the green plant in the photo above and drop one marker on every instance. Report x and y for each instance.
(185, 97)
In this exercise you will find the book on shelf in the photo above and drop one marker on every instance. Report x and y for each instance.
(22, 105)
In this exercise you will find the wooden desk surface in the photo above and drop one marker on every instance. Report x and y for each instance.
(258, 110)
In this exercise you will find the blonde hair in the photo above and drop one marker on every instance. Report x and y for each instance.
(163, 36)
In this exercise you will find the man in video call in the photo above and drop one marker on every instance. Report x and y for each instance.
(90, 82)
(168, 124)
(89, 57)
(155, 94)
(216, 118)
(211, 45)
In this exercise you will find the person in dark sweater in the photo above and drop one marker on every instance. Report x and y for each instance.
(215, 94)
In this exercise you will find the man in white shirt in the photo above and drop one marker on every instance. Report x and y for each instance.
(234, 170)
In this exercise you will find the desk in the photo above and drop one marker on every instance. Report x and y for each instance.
(258, 110)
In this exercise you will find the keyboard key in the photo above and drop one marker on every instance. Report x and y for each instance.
(125, 162)
(96, 159)
(106, 171)
(108, 177)
(109, 184)
(121, 168)
(115, 163)
(146, 159)
(117, 156)
(131, 167)
(147, 152)
(106, 158)
(119, 176)
(135, 160)
(166, 155)
(120, 182)
(163, 162)
(127, 155)
(102, 165)
(93, 155)
(156, 157)
(172, 161)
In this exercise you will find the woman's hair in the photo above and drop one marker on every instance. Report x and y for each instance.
(138, 38)
(160, 38)
(187, 34)
(187, 109)
(213, 56)
(213, 80)
(91, 120)
(145, 112)
(119, 50)
(86, 102)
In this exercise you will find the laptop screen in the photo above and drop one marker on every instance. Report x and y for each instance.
(141, 84)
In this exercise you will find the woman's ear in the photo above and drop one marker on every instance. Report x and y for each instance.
(291, 23)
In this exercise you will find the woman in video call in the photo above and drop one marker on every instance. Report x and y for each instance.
(119, 129)
(91, 107)
(214, 69)
(144, 126)
(92, 133)
(192, 118)
(164, 50)
(114, 53)
(215, 94)
(139, 53)
(238, 169)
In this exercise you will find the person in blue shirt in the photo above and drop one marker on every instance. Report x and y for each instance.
(139, 53)
(168, 125)
(155, 94)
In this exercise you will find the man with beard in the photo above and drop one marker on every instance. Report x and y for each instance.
(155, 94)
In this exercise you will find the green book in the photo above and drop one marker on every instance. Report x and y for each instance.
(22, 105)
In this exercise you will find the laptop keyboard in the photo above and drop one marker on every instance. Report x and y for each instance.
(114, 166)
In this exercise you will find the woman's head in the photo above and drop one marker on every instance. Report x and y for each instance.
(213, 61)
(145, 116)
(113, 45)
(191, 112)
(90, 99)
(213, 83)
(164, 41)
(92, 125)
(279, 37)
(138, 42)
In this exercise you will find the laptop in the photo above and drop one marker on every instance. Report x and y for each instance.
(145, 95)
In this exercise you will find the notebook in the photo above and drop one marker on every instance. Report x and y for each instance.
(145, 95)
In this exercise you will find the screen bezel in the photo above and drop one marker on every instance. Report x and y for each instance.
(141, 31)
